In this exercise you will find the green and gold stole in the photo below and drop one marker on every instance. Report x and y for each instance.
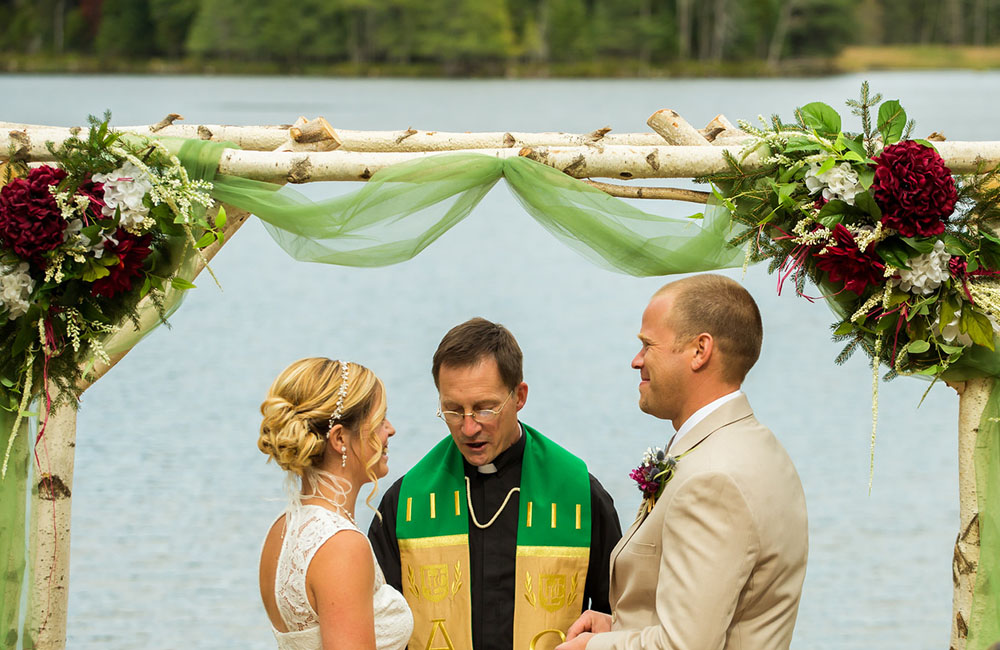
(553, 546)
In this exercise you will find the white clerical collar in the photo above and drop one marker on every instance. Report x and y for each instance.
(490, 468)
(701, 414)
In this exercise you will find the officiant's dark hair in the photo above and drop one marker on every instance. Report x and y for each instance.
(726, 310)
(476, 339)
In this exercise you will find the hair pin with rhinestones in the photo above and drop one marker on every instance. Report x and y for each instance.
(338, 411)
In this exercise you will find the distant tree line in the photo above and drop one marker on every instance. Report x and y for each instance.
(462, 33)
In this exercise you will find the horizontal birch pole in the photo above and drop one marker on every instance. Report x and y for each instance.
(269, 138)
(620, 162)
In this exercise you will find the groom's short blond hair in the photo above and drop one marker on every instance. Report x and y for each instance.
(723, 308)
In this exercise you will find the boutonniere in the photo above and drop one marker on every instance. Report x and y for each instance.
(653, 474)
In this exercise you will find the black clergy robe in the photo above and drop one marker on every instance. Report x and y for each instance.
(492, 550)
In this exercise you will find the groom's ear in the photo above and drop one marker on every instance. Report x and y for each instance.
(702, 349)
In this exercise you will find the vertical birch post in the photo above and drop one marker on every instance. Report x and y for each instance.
(971, 404)
(48, 562)
(51, 500)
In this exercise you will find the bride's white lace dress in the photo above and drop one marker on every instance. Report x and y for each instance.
(306, 529)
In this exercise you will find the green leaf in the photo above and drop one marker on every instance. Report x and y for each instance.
(831, 213)
(978, 327)
(182, 284)
(891, 121)
(24, 337)
(90, 232)
(895, 253)
(6, 382)
(922, 245)
(854, 144)
(887, 322)
(897, 298)
(785, 191)
(94, 272)
(866, 176)
(821, 118)
(145, 287)
(205, 240)
(801, 143)
(864, 202)
(108, 260)
(947, 314)
(843, 328)
(220, 218)
(918, 347)
(826, 166)
(989, 254)
(951, 349)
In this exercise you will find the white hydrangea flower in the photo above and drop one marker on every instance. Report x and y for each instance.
(927, 272)
(16, 286)
(124, 189)
(838, 182)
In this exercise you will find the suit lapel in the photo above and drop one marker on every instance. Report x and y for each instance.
(732, 411)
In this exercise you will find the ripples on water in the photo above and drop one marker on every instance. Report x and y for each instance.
(172, 498)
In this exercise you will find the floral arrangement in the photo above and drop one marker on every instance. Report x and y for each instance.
(652, 475)
(81, 243)
(902, 250)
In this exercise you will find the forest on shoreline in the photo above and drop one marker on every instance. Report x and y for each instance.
(497, 38)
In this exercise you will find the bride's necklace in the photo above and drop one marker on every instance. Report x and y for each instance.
(468, 498)
(349, 516)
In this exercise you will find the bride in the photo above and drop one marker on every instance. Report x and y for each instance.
(324, 423)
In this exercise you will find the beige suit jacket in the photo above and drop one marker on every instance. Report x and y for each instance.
(720, 560)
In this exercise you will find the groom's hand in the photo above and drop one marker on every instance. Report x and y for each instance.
(579, 642)
(589, 621)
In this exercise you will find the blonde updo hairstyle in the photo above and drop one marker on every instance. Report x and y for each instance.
(300, 403)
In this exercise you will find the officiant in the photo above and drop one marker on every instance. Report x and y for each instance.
(498, 538)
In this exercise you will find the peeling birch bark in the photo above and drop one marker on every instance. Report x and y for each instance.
(269, 138)
(675, 129)
(49, 527)
(971, 403)
(580, 162)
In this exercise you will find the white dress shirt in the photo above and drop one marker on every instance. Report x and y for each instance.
(700, 415)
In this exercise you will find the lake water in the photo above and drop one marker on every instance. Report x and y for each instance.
(172, 498)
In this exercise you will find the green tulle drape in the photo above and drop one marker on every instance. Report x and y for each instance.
(406, 207)
(984, 619)
(13, 509)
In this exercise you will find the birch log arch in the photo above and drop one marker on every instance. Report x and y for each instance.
(312, 150)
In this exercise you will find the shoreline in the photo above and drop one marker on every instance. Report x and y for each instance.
(850, 60)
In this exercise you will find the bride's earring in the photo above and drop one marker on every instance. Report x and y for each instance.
(343, 458)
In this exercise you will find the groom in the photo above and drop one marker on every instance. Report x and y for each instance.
(719, 560)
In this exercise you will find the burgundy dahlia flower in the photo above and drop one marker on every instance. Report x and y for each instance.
(914, 189)
(845, 262)
(30, 221)
(131, 251)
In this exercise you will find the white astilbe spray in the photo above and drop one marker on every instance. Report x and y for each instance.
(124, 189)
(838, 182)
(16, 286)
(926, 272)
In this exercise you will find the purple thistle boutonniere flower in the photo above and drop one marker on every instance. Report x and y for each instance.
(652, 475)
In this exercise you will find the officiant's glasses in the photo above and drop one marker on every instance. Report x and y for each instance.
(482, 416)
